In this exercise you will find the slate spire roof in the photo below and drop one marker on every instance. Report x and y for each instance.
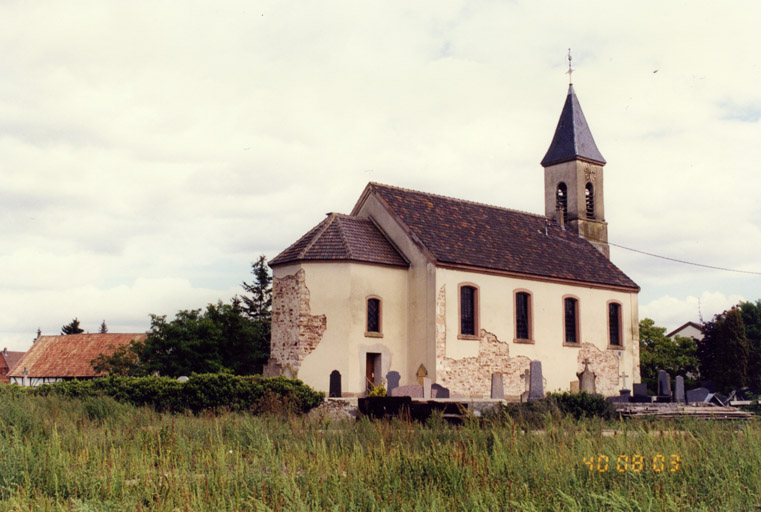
(573, 139)
(342, 238)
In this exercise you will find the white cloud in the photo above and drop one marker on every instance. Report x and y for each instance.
(672, 312)
(142, 143)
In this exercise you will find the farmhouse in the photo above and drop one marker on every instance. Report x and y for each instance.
(66, 357)
(426, 285)
(8, 359)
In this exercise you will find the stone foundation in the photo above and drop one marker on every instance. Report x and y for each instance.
(295, 331)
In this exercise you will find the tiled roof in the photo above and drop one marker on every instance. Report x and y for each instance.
(342, 238)
(11, 358)
(69, 355)
(459, 232)
(573, 139)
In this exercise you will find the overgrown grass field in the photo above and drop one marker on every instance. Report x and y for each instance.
(96, 454)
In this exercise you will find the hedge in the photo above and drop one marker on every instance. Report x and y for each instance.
(202, 392)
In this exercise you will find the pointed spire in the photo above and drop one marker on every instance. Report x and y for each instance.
(573, 140)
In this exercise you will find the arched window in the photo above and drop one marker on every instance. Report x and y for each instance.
(561, 200)
(590, 197)
(373, 316)
(468, 310)
(614, 324)
(571, 320)
(523, 316)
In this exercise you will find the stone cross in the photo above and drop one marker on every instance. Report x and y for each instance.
(623, 377)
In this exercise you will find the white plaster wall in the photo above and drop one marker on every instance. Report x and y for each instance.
(421, 291)
(559, 362)
(339, 291)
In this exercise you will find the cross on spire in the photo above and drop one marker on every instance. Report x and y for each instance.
(570, 69)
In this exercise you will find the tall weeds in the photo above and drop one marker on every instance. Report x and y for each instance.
(97, 454)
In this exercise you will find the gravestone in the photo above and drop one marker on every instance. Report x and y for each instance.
(439, 391)
(497, 387)
(411, 390)
(526, 377)
(182, 379)
(426, 387)
(587, 379)
(697, 395)
(335, 384)
(640, 394)
(392, 379)
(536, 381)
(574, 386)
(679, 395)
(664, 386)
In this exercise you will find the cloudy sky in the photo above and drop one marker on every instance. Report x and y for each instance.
(150, 151)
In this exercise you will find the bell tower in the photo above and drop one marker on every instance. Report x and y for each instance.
(573, 177)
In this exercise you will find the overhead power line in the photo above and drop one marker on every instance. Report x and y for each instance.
(685, 262)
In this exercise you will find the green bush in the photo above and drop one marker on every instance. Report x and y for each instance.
(202, 392)
(556, 405)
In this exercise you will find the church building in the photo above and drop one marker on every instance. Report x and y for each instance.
(423, 284)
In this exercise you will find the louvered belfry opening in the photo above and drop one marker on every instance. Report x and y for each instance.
(561, 200)
(590, 198)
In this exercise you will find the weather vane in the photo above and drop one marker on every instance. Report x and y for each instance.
(570, 69)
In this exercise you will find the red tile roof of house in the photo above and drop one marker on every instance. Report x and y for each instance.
(8, 360)
(69, 355)
(464, 233)
(342, 238)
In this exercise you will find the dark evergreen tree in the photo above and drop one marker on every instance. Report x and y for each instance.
(72, 328)
(751, 314)
(257, 306)
(103, 328)
(723, 351)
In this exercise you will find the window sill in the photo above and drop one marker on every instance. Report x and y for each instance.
(615, 347)
(468, 337)
(524, 341)
(569, 344)
(373, 334)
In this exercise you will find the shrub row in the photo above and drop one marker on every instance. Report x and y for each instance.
(202, 392)
(577, 405)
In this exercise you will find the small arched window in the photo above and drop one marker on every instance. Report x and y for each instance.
(468, 310)
(590, 198)
(561, 200)
(523, 321)
(571, 319)
(373, 316)
(614, 324)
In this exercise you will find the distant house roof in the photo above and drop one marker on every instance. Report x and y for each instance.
(573, 138)
(342, 238)
(688, 330)
(11, 358)
(8, 360)
(463, 233)
(69, 355)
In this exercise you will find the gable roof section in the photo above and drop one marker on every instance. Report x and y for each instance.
(69, 355)
(463, 233)
(573, 138)
(342, 238)
(11, 358)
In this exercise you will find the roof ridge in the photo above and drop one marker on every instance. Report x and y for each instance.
(326, 221)
(341, 230)
(478, 203)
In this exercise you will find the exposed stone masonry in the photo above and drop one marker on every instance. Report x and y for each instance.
(605, 365)
(295, 331)
(471, 376)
